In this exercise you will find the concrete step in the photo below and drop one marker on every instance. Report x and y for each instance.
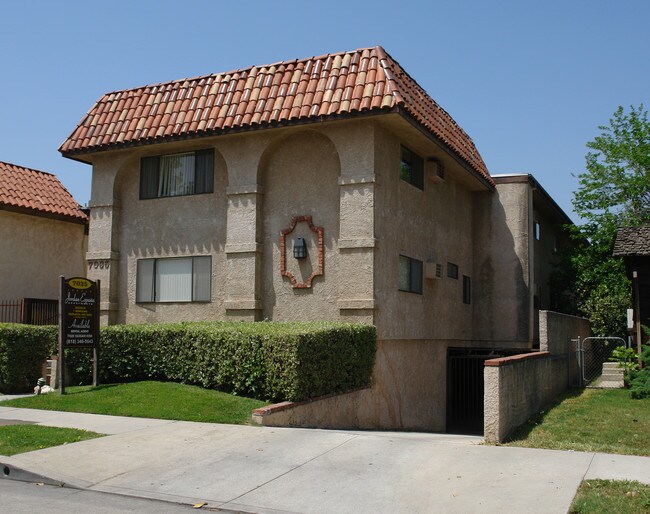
(611, 365)
(615, 375)
(611, 384)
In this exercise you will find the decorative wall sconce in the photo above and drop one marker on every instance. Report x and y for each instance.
(300, 251)
(300, 248)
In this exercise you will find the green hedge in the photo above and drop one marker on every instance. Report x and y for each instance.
(266, 360)
(23, 350)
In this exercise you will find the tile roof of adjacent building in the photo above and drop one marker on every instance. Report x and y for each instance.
(36, 192)
(364, 81)
(632, 241)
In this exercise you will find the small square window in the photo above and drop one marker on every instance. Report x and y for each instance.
(467, 289)
(410, 275)
(452, 270)
(412, 168)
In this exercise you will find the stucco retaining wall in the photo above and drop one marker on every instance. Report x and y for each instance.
(518, 387)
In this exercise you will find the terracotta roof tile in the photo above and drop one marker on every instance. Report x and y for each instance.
(27, 189)
(315, 88)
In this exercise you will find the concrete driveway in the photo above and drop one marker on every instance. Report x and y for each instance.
(262, 469)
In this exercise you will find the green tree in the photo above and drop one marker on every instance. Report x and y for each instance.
(614, 191)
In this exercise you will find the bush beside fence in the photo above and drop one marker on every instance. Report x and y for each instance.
(266, 360)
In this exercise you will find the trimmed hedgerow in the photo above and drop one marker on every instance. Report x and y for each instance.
(23, 350)
(266, 360)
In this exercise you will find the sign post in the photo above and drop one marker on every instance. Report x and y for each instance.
(78, 321)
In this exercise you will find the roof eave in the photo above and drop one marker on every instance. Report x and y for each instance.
(462, 162)
(77, 155)
(43, 214)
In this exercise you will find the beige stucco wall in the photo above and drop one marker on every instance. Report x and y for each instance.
(407, 393)
(516, 388)
(169, 227)
(35, 251)
(434, 224)
(345, 174)
(503, 298)
(300, 178)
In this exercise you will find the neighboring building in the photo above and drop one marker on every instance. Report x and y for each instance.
(207, 192)
(42, 233)
(633, 244)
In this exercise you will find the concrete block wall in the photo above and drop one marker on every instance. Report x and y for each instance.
(520, 386)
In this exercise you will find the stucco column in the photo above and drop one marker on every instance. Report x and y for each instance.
(243, 253)
(243, 248)
(103, 256)
(102, 261)
(357, 241)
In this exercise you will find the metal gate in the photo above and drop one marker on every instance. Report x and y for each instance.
(591, 353)
(32, 311)
(465, 387)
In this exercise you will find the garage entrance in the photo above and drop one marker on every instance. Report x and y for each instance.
(465, 387)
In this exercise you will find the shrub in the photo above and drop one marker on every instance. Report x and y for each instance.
(266, 360)
(639, 381)
(626, 358)
(23, 350)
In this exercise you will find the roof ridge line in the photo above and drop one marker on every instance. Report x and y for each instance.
(28, 168)
(240, 70)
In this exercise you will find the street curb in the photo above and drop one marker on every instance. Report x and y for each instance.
(10, 470)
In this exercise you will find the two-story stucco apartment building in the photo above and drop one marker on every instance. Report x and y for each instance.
(332, 188)
(42, 234)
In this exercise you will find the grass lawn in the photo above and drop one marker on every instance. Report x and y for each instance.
(594, 420)
(608, 496)
(162, 400)
(26, 438)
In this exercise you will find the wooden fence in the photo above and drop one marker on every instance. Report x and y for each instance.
(31, 311)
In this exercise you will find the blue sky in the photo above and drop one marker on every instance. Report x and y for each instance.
(530, 82)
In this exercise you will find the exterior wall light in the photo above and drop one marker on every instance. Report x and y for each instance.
(300, 248)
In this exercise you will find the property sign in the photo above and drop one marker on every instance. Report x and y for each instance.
(78, 321)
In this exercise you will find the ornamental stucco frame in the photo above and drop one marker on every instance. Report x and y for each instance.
(283, 258)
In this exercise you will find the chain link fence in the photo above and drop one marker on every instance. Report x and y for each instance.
(591, 355)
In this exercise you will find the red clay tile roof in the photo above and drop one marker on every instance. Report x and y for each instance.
(349, 83)
(37, 192)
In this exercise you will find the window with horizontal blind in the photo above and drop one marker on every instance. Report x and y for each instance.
(180, 174)
(175, 279)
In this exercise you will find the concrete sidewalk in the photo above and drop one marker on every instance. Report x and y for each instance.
(262, 469)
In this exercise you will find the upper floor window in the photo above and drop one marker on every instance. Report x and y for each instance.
(452, 270)
(537, 230)
(188, 173)
(410, 275)
(412, 168)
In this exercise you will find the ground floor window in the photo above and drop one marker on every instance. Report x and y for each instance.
(176, 279)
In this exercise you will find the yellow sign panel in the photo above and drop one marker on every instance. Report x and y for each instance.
(79, 283)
